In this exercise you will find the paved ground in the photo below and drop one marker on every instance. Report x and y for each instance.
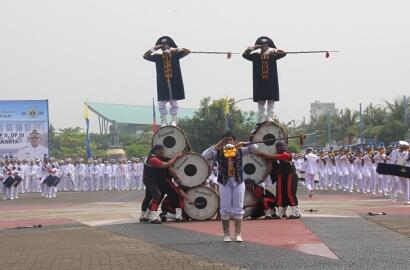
(98, 230)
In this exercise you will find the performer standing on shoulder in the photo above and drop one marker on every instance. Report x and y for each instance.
(170, 87)
(265, 75)
(230, 179)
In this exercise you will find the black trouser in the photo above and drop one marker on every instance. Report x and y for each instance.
(153, 195)
(286, 188)
(167, 187)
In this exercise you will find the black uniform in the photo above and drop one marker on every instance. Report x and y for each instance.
(177, 85)
(265, 72)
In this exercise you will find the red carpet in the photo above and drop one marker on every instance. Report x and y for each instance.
(288, 234)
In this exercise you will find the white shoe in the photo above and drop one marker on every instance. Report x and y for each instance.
(227, 238)
(174, 121)
(238, 238)
(163, 120)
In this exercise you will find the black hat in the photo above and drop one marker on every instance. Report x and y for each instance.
(166, 40)
(281, 147)
(265, 41)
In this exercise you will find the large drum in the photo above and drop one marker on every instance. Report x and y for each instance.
(267, 133)
(205, 203)
(254, 168)
(248, 202)
(172, 138)
(192, 168)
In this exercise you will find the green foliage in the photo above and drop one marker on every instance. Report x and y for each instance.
(70, 142)
(208, 124)
(383, 123)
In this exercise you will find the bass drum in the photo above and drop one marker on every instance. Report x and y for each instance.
(205, 203)
(192, 168)
(254, 168)
(249, 199)
(267, 133)
(172, 138)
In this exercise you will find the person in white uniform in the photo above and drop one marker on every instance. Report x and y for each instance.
(230, 179)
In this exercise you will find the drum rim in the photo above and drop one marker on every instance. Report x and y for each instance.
(209, 167)
(263, 124)
(267, 166)
(217, 196)
(187, 145)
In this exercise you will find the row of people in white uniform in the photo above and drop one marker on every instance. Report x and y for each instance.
(94, 175)
(348, 171)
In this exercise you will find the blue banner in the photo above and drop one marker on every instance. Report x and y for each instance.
(24, 129)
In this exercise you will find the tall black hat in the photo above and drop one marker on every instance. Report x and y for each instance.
(166, 40)
(265, 41)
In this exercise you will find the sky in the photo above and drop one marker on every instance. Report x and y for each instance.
(77, 50)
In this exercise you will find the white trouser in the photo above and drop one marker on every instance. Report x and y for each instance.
(309, 181)
(107, 185)
(81, 183)
(173, 110)
(231, 199)
(405, 183)
(269, 107)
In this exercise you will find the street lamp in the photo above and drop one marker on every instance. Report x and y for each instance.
(228, 124)
(228, 120)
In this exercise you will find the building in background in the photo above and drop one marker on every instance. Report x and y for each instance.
(320, 108)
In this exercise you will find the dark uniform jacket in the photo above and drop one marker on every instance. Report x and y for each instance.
(264, 88)
(177, 85)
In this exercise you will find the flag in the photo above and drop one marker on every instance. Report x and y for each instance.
(227, 115)
(226, 106)
(87, 135)
(154, 118)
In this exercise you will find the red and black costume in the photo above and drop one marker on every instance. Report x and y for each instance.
(158, 182)
(265, 200)
(284, 173)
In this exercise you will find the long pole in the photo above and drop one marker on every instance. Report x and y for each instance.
(361, 123)
(328, 128)
(405, 113)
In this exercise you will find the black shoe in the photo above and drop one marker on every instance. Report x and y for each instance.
(156, 221)
(143, 219)
(163, 217)
(268, 217)
(293, 217)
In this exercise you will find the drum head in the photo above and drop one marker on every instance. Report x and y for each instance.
(205, 203)
(268, 132)
(254, 168)
(249, 199)
(192, 168)
(172, 138)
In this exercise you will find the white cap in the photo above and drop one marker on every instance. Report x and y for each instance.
(403, 143)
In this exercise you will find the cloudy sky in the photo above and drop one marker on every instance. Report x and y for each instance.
(70, 51)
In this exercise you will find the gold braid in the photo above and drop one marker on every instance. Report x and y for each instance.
(167, 66)
(265, 67)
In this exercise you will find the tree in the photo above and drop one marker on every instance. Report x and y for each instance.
(208, 124)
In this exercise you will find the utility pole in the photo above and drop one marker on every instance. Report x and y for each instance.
(361, 123)
(328, 128)
(405, 113)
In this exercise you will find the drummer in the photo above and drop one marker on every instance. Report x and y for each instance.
(284, 172)
(265, 201)
(230, 179)
(156, 178)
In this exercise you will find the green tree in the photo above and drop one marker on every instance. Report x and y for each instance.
(208, 124)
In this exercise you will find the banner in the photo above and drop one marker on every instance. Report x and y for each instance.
(24, 129)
